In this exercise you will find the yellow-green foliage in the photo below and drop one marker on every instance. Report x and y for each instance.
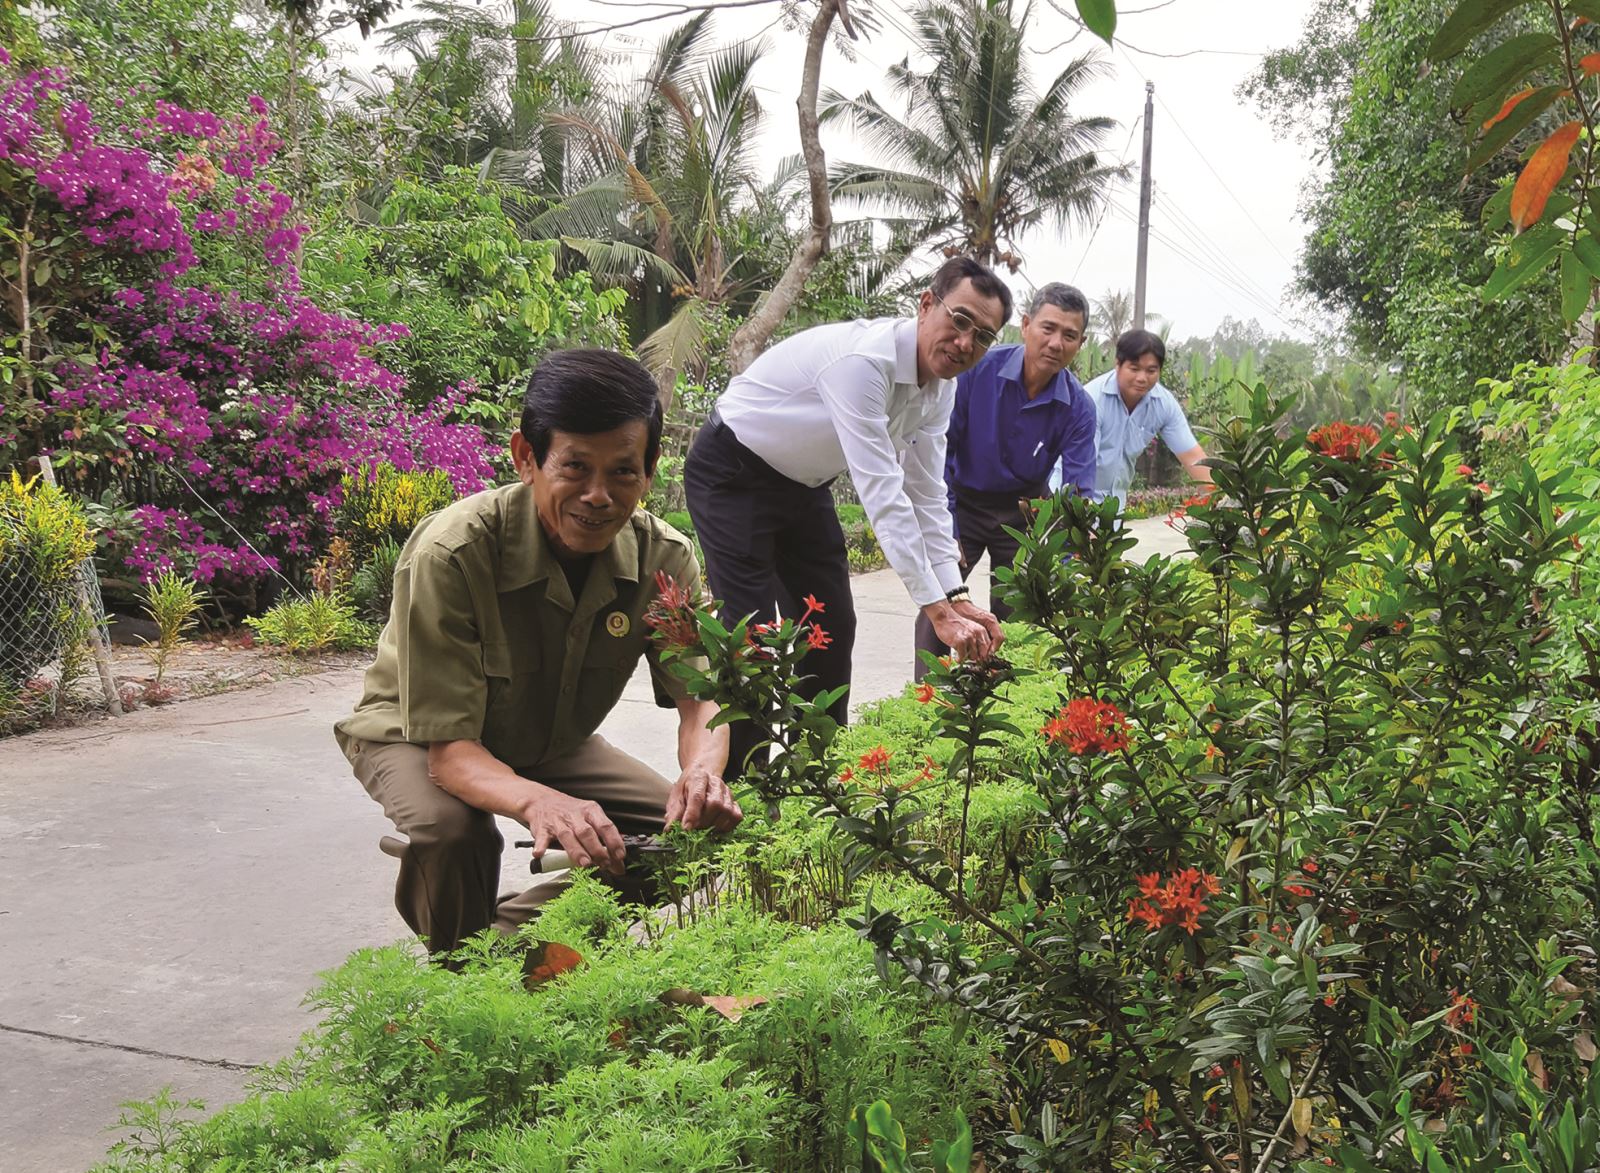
(383, 502)
(43, 532)
(43, 538)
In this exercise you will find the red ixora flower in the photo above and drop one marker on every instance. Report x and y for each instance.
(924, 693)
(876, 760)
(1085, 724)
(1462, 1013)
(671, 614)
(817, 638)
(1179, 901)
(1182, 511)
(1342, 441)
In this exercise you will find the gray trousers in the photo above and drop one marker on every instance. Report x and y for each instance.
(449, 878)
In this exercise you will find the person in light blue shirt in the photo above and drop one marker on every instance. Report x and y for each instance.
(1131, 409)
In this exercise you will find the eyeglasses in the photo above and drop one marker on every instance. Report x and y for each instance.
(965, 323)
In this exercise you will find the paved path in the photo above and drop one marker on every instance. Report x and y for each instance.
(171, 883)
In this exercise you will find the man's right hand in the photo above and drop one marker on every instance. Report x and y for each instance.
(967, 639)
(581, 828)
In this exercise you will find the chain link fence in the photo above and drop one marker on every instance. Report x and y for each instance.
(54, 643)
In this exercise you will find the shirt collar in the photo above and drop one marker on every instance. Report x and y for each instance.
(526, 556)
(1059, 388)
(905, 352)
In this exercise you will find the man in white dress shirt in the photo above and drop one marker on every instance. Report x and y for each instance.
(868, 398)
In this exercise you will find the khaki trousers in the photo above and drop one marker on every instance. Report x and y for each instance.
(450, 868)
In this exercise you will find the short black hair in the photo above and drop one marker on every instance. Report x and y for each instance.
(958, 269)
(1135, 344)
(587, 390)
(1067, 298)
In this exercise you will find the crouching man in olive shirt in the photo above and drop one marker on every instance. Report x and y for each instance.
(518, 617)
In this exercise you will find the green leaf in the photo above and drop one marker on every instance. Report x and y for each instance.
(1497, 209)
(1587, 250)
(1469, 19)
(1530, 254)
(1099, 16)
(1576, 287)
(1490, 76)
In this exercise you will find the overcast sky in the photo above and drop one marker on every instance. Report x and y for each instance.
(1225, 234)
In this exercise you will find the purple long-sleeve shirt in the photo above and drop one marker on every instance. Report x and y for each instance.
(1000, 441)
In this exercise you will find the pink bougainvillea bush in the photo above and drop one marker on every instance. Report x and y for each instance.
(213, 406)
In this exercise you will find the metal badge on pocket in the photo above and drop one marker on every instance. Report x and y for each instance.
(617, 623)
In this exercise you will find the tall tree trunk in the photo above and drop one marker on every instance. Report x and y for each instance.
(752, 337)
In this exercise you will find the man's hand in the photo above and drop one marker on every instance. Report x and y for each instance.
(700, 800)
(964, 635)
(967, 609)
(579, 826)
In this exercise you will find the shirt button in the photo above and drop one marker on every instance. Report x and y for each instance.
(566, 690)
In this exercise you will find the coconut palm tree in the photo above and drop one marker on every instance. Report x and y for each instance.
(671, 167)
(481, 83)
(1112, 313)
(981, 156)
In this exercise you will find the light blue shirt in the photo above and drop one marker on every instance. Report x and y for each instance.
(1121, 435)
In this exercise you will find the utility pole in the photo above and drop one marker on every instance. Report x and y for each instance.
(1144, 209)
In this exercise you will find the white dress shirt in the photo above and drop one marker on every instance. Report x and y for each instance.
(844, 398)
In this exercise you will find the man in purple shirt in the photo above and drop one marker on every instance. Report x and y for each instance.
(1018, 413)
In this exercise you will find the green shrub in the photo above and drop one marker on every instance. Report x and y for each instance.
(44, 537)
(433, 1069)
(861, 544)
(372, 586)
(314, 624)
(680, 520)
(1302, 865)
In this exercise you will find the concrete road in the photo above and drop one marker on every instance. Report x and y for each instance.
(172, 882)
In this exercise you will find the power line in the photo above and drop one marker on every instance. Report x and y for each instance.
(1215, 173)
(1209, 271)
(1209, 246)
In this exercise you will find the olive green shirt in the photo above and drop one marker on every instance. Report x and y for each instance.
(486, 643)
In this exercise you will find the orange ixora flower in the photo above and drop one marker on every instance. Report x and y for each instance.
(1343, 441)
(925, 693)
(1085, 724)
(1179, 901)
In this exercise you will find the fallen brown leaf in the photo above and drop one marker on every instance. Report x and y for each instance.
(547, 959)
(730, 1007)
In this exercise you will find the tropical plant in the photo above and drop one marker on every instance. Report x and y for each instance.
(656, 202)
(173, 603)
(1540, 81)
(489, 77)
(313, 625)
(1311, 868)
(44, 539)
(1399, 245)
(980, 156)
(1112, 313)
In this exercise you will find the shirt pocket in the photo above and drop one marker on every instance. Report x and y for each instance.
(605, 675)
(514, 722)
